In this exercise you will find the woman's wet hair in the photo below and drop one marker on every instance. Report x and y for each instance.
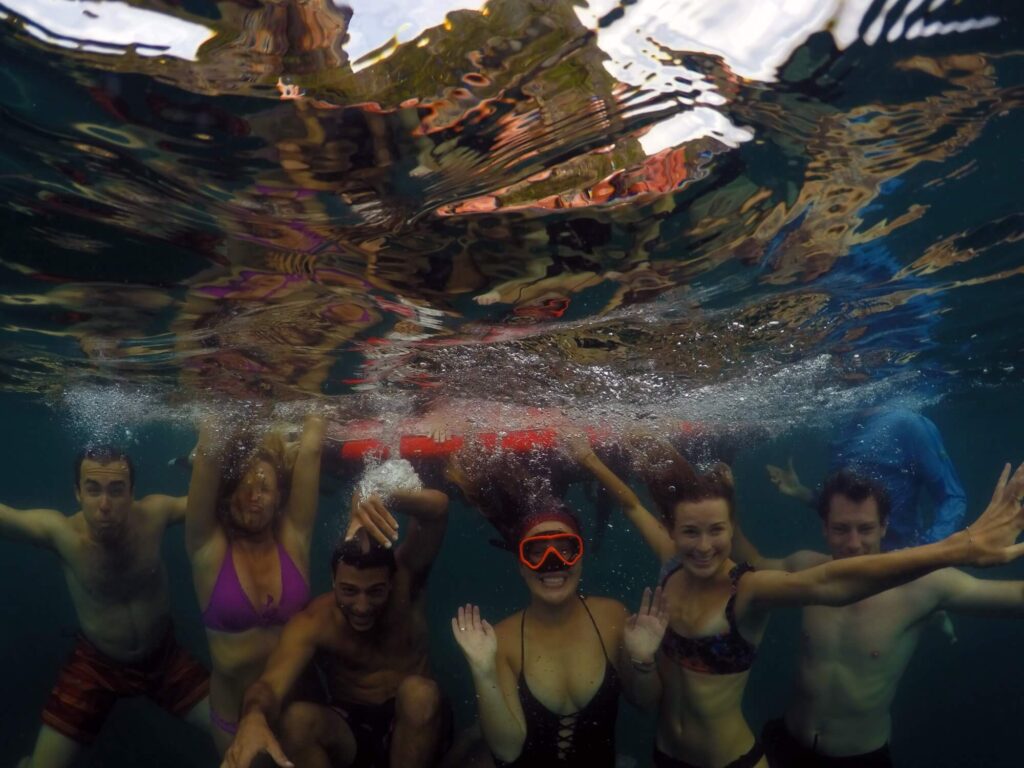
(715, 484)
(243, 452)
(554, 511)
(672, 480)
(510, 492)
(103, 454)
(857, 488)
(362, 553)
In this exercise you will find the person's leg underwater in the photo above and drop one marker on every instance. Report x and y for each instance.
(315, 736)
(52, 750)
(418, 721)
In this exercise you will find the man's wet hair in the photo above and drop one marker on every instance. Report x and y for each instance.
(857, 489)
(362, 553)
(103, 454)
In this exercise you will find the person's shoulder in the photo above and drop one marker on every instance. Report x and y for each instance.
(155, 505)
(509, 626)
(320, 606)
(64, 528)
(316, 619)
(605, 606)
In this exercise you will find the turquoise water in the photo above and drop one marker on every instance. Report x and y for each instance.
(957, 705)
(622, 214)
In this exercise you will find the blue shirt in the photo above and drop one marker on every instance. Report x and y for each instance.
(903, 452)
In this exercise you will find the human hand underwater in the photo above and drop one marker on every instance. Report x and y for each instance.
(253, 738)
(991, 539)
(476, 637)
(645, 628)
(787, 480)
(371, 515)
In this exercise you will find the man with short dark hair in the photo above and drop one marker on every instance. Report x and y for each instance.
(369, 639)
(852, 658)
(903, 452)
(110, 552)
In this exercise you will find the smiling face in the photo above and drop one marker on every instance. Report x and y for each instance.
(555, 586)
(105, 493)
(702, 532)
(255, 501)
(853, 527)
(362, 594)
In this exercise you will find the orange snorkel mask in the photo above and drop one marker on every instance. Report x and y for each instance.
(545, 552)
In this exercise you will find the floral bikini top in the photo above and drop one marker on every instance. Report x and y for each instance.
(723, 654)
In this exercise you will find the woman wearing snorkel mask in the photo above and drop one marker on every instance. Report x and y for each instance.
(548, 678)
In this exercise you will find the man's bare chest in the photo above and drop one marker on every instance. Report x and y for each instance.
(118, 574)
(864, 635)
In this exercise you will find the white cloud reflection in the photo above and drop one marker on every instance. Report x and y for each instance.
(375, 22)
(106, 26)
(754, 37)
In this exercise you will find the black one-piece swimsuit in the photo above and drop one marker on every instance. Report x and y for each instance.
(585, 738)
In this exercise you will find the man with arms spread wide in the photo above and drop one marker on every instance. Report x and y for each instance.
(853, 657)
(110, 553)
(369, 639)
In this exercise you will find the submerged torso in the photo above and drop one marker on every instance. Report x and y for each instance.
(119, 591)
(700, 719)
(367, 667)
(851, 661)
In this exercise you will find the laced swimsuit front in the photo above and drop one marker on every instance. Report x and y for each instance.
(585, 737)
(231, 610)
(723, 654)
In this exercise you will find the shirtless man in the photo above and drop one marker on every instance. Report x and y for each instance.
(852, 658)
(110, 552)
(369, 639)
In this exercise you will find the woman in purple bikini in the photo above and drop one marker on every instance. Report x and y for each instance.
(248, 530)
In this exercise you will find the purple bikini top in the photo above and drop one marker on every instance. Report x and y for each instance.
(230, 609)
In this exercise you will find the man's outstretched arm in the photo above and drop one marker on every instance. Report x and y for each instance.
(744, 551)
(170, 508)
(36, 526)
(962, 593)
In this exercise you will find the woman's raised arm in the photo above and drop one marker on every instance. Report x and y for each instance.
(304, 496)
(201, 508)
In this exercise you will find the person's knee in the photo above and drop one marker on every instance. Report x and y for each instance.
(300, 725)
(418, 701)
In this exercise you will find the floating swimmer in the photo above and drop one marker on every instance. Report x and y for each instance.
(110, 553)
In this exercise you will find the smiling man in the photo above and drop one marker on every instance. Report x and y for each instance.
(853, 657)
(369, 640)
(110, 552)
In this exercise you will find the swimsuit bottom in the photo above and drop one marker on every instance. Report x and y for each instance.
(90, 683)
(373, 724)
(749, 760)
(784, 751)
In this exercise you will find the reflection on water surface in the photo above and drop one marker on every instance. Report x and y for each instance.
(649, 209)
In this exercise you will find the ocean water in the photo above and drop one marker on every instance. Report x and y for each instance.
(752, 215)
